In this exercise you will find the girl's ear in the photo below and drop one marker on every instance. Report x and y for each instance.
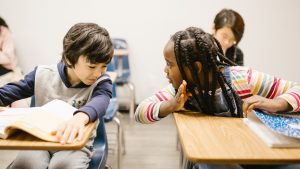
(213, 29)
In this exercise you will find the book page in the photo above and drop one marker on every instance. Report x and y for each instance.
(39, 124)
(59, 108)
(41, 121)
(10, 115)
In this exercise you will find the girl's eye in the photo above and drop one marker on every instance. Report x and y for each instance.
(92, 67)
(169, 64)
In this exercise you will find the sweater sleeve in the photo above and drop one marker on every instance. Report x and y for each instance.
(17, 90)
(99, 102)
(148, 110)
(271, 87)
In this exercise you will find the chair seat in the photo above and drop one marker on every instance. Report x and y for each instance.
(111, 110)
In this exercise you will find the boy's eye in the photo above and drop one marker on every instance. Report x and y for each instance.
(92, 67)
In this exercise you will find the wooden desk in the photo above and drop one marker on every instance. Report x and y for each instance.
(23, 141)
(210, 139)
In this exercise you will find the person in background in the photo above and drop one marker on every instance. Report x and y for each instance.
(203, 80)
(78, 79)
(9, 71)
(228, 29)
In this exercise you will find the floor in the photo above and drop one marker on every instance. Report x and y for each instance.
(147, 146)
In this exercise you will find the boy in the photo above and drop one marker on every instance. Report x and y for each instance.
(78, 79)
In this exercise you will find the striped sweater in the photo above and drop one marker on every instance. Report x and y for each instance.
(245, 81)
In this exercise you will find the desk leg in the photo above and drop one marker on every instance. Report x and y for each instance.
(184, 163)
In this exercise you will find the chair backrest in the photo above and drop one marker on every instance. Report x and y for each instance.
(125, 72)
(119, 43)
(111, 67)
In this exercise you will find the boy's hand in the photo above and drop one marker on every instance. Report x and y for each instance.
(270, 105)
(72, 130)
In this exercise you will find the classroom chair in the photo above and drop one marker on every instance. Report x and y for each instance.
(111, 115)
(122, 66)
(99, 157)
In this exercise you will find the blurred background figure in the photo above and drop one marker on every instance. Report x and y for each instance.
(9, 71)
(228, 29)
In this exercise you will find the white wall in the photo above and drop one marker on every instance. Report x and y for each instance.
(271, 41)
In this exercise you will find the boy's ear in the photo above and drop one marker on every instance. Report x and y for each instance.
(67, 62)
(213, 29)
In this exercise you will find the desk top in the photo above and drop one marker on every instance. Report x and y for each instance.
(23, 141)
(121, 52)
(211, 139)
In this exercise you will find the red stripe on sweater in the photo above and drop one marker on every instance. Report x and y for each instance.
(246, 96)
(272, 88)
(297, 98)
(149, 112)
(159, 98)
(249, 75)
(162, 95)
(240, 92)
(276, 89)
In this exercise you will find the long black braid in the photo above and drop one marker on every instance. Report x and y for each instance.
(194, 45)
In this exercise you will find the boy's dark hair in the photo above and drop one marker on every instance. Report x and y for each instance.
(232, 19)
(194, 45)
(3, 23)
(89, 40)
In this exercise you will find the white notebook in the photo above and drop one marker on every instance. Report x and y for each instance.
(270, 137)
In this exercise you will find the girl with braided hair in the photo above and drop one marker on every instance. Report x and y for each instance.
(202, 79)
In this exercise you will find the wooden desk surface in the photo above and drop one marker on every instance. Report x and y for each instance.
(210, 139)
(121, 52)
(23, 141)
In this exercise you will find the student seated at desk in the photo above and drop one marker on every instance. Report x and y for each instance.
(9, 70)
(202, 79)
(79, 79)
(228, 29)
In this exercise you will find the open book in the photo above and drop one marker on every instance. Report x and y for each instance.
(275, 130)
(37, 121)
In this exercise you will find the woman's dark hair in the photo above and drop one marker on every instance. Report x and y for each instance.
(90, 40)
(231, 19)
(194, 45)
(3, 23)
